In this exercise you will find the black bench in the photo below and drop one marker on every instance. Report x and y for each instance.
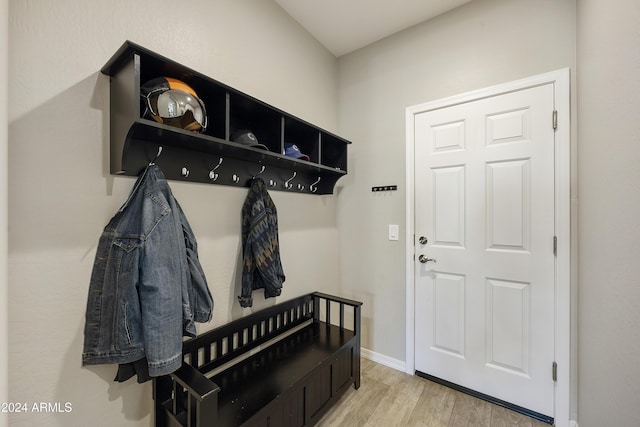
(285, 365)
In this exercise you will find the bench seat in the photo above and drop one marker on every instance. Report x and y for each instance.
(282, 366)
(252, 384)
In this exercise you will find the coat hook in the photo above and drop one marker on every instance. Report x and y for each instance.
(212, 173)
(313, 187)
(272, 183)
(157, 155)
(287, 183)
(185, 172)
(261, 170)
(236, 178)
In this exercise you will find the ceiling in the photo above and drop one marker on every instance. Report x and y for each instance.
(343, 26)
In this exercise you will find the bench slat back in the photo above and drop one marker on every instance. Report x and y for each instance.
(223, 344)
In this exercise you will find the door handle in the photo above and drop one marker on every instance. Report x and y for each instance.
(423, 259)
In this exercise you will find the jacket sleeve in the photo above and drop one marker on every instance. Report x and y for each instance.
(161, 295)
(197, 302)
(249, 212)
(267, 253)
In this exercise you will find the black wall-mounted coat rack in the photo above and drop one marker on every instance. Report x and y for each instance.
(212, 157)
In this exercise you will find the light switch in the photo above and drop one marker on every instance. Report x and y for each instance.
(393, 231)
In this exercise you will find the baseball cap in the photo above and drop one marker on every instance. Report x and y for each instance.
(292, 150)
(246, 137)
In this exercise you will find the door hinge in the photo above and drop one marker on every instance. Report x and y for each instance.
(554, 371)
(555, 246)
(555, 119)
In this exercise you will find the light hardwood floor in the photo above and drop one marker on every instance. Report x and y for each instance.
(388, 397)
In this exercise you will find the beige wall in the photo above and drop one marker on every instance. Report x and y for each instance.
(4, 319)
(609, 213)
(61, 194)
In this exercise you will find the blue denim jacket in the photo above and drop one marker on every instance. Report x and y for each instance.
(147, 287)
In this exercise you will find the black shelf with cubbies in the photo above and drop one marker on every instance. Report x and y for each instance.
(212, 156)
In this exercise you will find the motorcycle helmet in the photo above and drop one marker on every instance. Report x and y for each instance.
(174, 103)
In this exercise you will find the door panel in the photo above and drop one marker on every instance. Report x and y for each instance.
(508, 325)
(509, 205)
(448, 308)
(484, 199)
(449, 196)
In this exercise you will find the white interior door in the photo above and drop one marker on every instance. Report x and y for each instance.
(484, 274)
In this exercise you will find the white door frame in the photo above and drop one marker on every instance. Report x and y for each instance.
(563, 337)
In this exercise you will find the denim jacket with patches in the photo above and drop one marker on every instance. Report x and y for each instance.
(147, 287)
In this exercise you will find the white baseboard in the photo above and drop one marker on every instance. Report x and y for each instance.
(573, 423)
(384, 360)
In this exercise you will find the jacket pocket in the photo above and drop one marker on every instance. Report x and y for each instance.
(127, 327)
(126, 257)
(132, 324)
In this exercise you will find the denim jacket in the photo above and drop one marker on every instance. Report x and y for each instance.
(147, 287)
